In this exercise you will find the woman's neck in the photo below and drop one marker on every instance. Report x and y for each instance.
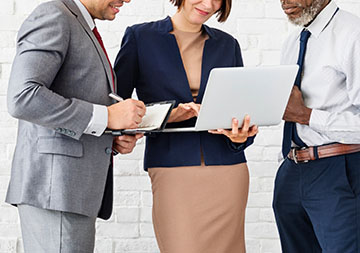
(181, 23)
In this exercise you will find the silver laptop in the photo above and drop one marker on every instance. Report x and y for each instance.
(261, 92)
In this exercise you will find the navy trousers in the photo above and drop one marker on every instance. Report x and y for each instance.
(317, 205)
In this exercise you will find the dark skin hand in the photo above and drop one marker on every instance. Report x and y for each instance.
(296, 111)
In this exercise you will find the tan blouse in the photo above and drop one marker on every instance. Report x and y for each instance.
(191, 46)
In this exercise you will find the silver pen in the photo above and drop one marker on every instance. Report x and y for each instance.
(116, 97)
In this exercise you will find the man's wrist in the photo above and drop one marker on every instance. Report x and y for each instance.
(98, 122)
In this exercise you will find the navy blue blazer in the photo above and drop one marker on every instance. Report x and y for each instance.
(150, 62)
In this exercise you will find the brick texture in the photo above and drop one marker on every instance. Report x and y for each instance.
(260, 27)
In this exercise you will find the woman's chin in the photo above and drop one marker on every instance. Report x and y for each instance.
(198, 20)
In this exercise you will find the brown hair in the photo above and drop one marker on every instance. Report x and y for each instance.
(222, 13)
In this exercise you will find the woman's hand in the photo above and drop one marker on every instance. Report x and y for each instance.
(236, 134)
(184, 112)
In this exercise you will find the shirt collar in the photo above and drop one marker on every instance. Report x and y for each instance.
(322, 20)
(89, 20)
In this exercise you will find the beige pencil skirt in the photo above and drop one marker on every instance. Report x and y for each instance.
(200, 209)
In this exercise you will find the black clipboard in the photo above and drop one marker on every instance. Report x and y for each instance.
(171, 104)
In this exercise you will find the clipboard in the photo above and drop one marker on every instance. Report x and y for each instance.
(154, 120)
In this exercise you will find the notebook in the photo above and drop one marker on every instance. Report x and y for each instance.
(155, 119)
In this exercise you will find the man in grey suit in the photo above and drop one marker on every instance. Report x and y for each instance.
(61, 177)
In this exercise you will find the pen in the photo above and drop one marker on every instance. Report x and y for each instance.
(116, 97)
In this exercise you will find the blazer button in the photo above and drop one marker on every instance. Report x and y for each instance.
(108, 151)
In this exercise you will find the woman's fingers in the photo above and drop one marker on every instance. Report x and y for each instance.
(190, 107)
(253, 130)
(195, 108)
(184, 111)
(184, 107)
(235, 126)
(217, 131)
(246, 124)
(237, 134)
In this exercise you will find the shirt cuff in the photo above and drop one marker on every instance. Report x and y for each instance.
(98, 122)
(318, 120)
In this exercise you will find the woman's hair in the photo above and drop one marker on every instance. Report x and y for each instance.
(222, 13)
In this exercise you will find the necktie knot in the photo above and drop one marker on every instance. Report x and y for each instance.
(304, 36)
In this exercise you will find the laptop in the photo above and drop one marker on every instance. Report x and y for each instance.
(261, 92)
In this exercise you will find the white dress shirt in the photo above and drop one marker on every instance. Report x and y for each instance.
(331, 79)
(99, 119)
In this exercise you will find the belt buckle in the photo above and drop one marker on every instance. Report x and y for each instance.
(293, 150)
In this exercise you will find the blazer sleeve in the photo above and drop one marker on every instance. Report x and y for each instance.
(42, 46)
(239, 147)
(238, 57)
(126, 65)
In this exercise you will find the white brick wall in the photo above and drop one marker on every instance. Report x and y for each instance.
(260, 27)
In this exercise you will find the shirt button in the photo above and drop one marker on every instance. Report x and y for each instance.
(108, 151)
(93, 132)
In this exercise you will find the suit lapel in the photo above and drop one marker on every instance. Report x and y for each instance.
(171, 47)
(75, 10)
(174, 53)
(208, 60)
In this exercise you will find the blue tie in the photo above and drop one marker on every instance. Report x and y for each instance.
(290, 132)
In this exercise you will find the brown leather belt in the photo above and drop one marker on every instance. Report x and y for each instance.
(303, 155)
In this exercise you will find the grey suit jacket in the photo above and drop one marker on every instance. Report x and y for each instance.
(59, 72)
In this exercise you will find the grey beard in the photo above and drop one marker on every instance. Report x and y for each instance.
(308, 13)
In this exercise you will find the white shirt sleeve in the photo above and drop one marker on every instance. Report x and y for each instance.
(340, 127)
(344, 126)
(98, 122)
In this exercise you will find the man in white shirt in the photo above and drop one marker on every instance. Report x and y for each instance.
(316, 196)
(61, 177)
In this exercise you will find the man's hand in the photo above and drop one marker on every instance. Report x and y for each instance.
(125, 144)
(125, 114)
(184, 112)
(296, 111)
(236, 134)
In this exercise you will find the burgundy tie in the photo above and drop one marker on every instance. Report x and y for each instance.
(98, 37)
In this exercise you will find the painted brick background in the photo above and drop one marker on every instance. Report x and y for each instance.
(260, 27)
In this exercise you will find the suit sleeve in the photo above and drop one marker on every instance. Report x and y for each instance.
(126, 65)
(42, 46)
(238, 57)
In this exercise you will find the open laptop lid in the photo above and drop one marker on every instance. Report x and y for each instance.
(261, 92)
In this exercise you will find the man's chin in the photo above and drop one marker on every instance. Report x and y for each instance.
(109, 17)
(303, 20)
(308, 14)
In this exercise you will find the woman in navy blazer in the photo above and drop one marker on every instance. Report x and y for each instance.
(199, 179)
